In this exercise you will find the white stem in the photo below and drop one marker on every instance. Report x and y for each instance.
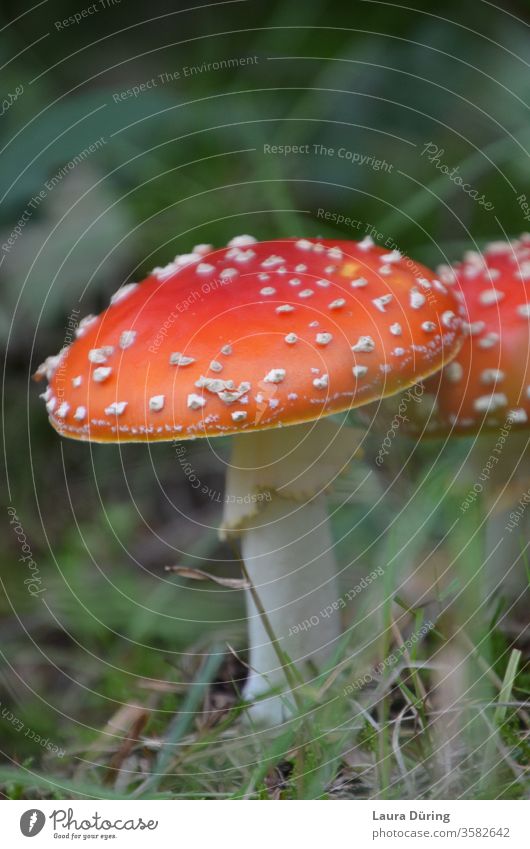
(289, 557)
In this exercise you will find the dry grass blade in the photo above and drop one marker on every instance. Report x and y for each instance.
(122, 730)
(181, 723)
(201, 575)
(223, 693)
(133, 738)
(499, 717)
(398, 754)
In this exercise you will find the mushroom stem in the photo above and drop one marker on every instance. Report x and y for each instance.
(289, 559)
(275, 504)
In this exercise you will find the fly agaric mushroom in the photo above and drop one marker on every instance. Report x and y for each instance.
(485, 393)
(488, 382)
(244, 341)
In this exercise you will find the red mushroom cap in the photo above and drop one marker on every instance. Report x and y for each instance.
(488, 382)
(252, 336)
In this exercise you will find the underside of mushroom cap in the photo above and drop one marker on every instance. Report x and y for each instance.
(249, 337)
(297, 463)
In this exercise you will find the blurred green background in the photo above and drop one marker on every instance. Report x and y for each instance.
(179, 162)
